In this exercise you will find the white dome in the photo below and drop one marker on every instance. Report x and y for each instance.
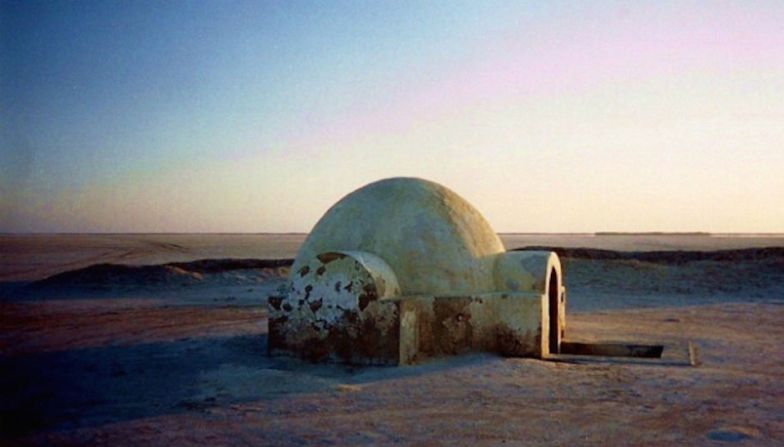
(434, 241)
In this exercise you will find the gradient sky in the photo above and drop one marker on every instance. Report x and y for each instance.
(257, 116)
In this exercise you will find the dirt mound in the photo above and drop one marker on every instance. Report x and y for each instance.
(170, 274)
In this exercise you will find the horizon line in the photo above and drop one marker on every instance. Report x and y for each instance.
(293, 233)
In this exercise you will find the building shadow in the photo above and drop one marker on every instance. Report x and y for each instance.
(91, 387)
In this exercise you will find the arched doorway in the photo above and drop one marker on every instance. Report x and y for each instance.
(553, 293)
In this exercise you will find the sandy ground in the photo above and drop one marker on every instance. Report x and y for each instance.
(184, 362)
(120, 372)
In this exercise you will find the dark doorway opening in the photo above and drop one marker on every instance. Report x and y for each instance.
(552, 298)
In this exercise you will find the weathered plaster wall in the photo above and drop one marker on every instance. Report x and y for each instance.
(506, 323)
(526, 271)
(334, 311)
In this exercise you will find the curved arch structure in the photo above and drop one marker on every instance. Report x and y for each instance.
(404, 269)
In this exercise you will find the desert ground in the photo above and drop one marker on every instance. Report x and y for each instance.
(160, 348)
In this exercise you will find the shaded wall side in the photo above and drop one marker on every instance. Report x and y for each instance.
(507, 324)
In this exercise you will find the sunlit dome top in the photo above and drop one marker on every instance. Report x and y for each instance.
(434, 240)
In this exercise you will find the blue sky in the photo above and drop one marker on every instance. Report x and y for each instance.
(257, 116)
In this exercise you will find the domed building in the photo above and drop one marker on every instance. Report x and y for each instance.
(404, 269)
(435, 241)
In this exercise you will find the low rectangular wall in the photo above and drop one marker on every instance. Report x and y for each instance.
(405, 330)
(510, 324)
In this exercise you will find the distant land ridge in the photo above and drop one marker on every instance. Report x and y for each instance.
(666, 257)
(652, 233)
(194, 271)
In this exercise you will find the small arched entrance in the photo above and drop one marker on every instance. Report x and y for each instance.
(553, 294)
